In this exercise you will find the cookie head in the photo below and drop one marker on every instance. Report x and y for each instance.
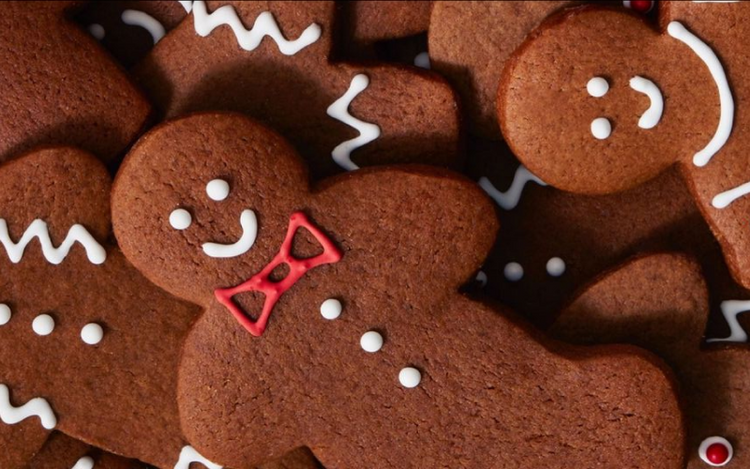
(209, 211)
(597, 101)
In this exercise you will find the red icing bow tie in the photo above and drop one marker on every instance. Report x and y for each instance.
(261, 282)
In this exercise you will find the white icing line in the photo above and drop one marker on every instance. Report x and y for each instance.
(725, 198)
(37, 407)
(250, 39)
(422, 60)
(190, 455)
(84, 463)
(726, 118)
(55, 255)
(249, 224)
(652, 116)
(730, 309)
(145, 21)
(186, 4)
(509, 199)
(339, 110)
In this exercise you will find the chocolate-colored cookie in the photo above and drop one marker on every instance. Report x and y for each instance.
(60, 87)
(333, 318)
(373, 21)
(661, 302)
(270, 60)
(634, 102)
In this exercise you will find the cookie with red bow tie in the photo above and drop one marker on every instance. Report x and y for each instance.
(271, 61)
(661, 302)
(632, 100)
(333, 317)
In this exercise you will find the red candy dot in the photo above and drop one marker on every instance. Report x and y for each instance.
(717, 453)
(641, 6)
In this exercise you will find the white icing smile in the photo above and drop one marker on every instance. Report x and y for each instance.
(249, 224)
(652, 116)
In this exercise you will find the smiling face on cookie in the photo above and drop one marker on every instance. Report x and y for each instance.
(598, 100)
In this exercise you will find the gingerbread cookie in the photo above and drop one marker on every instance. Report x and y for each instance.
(661, 302)
(373, 21)
(333, 317)
(628, 112)
(270, 60)
(60, 87)
(63, 452)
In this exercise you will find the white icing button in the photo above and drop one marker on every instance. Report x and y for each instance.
(597, 87)
(180, 219)
(4, 314)
(371, 341)
(92, 333)
(217, 189)
(555, 267)
(43, 324)
(409, 377)
(513, 271)
(96, 30)
(331, 308)
(601, 128)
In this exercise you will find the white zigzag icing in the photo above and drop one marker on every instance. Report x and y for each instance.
(190, 455)
(339, 110)
(37, 407)
(509, 199)
(730, 309)
(249, 39)
(55, 255)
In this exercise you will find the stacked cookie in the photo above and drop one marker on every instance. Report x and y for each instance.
(237, 234)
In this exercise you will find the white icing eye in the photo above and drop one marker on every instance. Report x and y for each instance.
(409, 377)
(371, 341)
(217, 189)
(601, 128)
(180, 219)
(92, 333)
(597, 87)
(43, 324)
(5, 314)
(331, 308)
(716, 451)
(555, 267)
(513, 271)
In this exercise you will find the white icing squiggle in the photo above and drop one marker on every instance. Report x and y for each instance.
(730, 309)
(186, 4)
(37, 407)
(55, 255)
(509, 199)
(652, 116)
(265, 25)
(339, 110)
(145, 21)
(724, 199)
(190, 455)
(726, 118)
(249, 224)
(84, 463)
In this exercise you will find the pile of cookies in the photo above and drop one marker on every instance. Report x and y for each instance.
(419, 234)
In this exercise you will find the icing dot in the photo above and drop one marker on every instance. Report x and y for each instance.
(371, 341)
(482, 278)
(43, 324)
(422, 60)
(555, 267)
(180, 219)
(716, 451)
(92, 333)
(513, 271)
(4, 314)
(331, 308)
(409, 377)
(641, 6)
(96, 30)
(217, 190)
(597, 87)
(601, 128)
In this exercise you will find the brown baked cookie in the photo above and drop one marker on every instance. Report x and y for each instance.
(130, 28)
(333, 318)
(63, 452)
(661, 302)
(270, 60)
(633, 103)
(60, 87)
(373, 21)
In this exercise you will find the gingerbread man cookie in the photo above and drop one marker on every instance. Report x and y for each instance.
(373, 21)
(661, 302)
(333, 318)
(626, 111)
(270, 60)
(60, 87)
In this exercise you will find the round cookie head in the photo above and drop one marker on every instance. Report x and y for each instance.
(597, 100)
